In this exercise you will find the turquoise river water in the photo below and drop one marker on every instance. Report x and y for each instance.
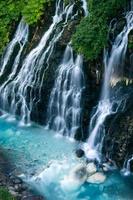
(44, 160)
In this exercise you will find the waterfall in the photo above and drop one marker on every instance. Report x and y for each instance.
(64, 105)
(18, 94)
(109, 103)
(20, 38)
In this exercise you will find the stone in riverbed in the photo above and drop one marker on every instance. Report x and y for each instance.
(79, 173)
(15, 180)
(79, 153)
(91, 169)
(105, 167)
(75, 179)
(33, 198)
(96, 178)
(13, 193)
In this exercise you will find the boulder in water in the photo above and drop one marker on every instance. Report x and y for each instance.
(79, 173)
(96, 178)
(75, 179)
(79, 153)
(91, 169)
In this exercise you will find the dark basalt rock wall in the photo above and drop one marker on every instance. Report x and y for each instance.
(118, 142)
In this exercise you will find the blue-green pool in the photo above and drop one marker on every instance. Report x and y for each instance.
(45, 159)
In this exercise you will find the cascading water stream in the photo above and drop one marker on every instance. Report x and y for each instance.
(109, 103)
(85, 7)
(64, 107)
(127, 167)
(33, 68)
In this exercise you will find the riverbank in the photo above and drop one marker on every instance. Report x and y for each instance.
(12, 187)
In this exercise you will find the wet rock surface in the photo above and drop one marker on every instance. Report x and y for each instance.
(79, 153)
(118, 143)
(88, 173)
(96, 178)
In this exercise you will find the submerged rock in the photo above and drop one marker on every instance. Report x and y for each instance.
(96, 178)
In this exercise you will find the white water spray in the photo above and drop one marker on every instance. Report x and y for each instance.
(108, 104)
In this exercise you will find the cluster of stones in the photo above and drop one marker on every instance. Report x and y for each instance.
(87, 173)
(17, 188)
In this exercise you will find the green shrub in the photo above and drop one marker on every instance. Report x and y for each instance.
(11, 10)
(33, 9)
(5, 195)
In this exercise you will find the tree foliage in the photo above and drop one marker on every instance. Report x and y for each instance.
(91, 34)
(11, 10)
